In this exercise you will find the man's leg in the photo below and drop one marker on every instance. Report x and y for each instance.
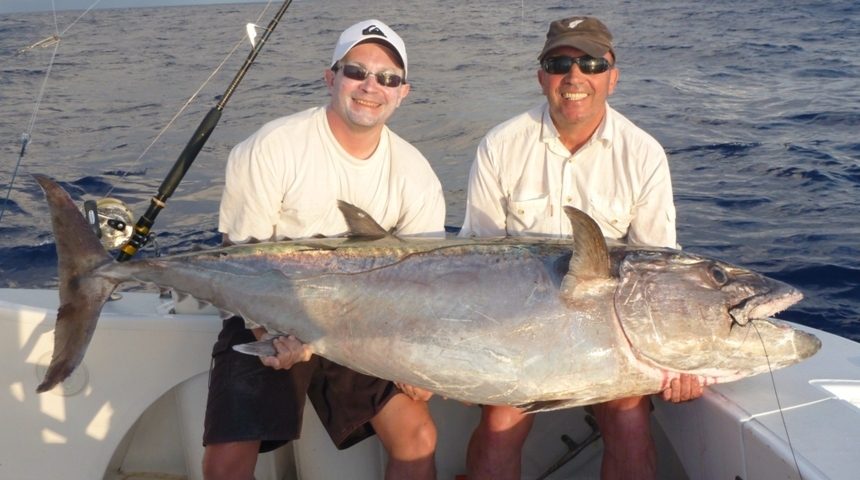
(230, 461)
(628, 449)
(407, 432)
(495, 449)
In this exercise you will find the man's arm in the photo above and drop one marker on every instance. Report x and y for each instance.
(654, 219)
(253, 191)
(290, 350)
(249, 204)
(485, 198)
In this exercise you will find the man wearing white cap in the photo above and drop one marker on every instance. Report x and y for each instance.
(573, 149)
(284, 182)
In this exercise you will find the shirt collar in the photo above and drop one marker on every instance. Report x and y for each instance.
(550, 136)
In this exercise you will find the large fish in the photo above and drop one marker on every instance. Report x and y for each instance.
(536, 323)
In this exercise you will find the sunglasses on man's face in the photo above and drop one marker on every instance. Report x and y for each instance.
(562, 64)
(356, 72)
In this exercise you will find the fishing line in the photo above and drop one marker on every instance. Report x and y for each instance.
(55, 40)
(27, 135)
(190, 99)
(141, 232)
(79, 17)
(778, 403)
(179, 112)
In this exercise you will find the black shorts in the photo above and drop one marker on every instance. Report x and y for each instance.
(250, 401)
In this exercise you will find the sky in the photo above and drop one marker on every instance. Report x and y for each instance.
(11, 6)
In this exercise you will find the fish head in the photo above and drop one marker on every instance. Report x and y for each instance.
(688, 313)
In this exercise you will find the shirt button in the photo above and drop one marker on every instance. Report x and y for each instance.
(569, 199)
(521, 211)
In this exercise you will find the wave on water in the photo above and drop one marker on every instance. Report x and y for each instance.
(833, 305)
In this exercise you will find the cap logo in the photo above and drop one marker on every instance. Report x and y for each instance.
(574, 23)
(373, 30)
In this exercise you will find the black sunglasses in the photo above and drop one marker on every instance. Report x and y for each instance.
(359, 73)
(562, 64)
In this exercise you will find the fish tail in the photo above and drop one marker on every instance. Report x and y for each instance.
(82, 292)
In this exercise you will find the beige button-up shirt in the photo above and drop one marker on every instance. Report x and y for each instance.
(523, 175)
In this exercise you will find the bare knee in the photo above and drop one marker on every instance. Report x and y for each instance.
(506, 421)
(495, 449)
(419, 437)
(405, 428)
(501, 433)
(230, 461)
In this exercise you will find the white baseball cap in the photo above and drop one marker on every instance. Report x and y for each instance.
(373, 30)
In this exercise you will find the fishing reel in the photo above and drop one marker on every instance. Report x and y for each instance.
(111, 221)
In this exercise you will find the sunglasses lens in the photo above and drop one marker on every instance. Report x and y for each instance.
(557, 65)
(593, 65)
(562, 65)
(388, 79)
(355, 72)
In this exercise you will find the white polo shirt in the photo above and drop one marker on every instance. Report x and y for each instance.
(523, 175)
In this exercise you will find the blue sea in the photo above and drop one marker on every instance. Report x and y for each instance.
(757, 105)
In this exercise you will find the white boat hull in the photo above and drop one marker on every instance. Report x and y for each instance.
(738, 430)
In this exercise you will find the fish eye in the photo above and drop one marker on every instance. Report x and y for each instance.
(719, 275)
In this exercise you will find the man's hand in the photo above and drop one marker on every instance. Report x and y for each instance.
(290, 352)
(414, 393)
(686, 387)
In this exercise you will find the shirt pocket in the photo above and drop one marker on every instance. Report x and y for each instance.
(525, 215)
(612, 214)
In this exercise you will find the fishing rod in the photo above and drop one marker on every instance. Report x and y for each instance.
(140, 234)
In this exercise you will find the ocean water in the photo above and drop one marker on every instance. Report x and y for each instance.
(757, 104)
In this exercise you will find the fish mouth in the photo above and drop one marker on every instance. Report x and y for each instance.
(765, 305)
(763, 345)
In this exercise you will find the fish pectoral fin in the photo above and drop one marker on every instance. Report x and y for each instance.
(260, 348)
(542, 406)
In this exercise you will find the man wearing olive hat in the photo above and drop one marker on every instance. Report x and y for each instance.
(573, 149)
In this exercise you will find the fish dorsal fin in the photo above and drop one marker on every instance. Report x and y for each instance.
(590, 259)
(360, 223)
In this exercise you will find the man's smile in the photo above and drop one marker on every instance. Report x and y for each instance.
(574, 96)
